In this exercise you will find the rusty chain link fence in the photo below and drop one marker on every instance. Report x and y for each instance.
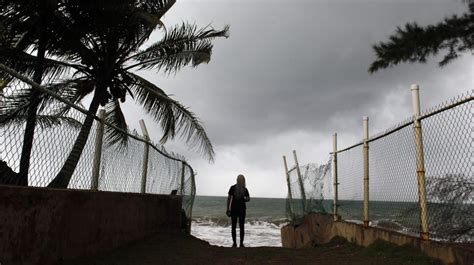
(420, 180)
(121, 167)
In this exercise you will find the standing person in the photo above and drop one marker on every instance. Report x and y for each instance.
(238, 196)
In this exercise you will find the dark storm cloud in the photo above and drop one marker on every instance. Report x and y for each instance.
(295, 64)
(301, 66)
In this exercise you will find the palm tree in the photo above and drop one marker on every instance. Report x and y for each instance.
(24, 26)
(106, 39)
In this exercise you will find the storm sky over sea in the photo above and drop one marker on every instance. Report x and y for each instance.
(290, 75)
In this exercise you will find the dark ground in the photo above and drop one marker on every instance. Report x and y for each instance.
(175, 248)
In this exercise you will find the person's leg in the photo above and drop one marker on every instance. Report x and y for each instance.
(241, 227)
(234, 224)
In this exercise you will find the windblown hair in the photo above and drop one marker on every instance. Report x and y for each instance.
(241, 180)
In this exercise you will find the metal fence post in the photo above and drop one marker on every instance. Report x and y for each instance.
(145, 156)
(290, 196)
(98, 151)
(366, 171)
(334, 175)
(182, 179)
(300, 180)
(420, 163)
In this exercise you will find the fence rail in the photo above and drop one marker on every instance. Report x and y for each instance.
(416, 177)
(136, 165)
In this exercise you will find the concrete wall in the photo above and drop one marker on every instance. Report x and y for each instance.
(315, 229)
(318, 229)
(44, 226)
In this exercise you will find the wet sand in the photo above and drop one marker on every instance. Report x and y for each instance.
(177, 248)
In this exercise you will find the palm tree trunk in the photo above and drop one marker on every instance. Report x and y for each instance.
(28, 137)
(64, 176)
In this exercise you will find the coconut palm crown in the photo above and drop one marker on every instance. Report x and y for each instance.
(104, 41)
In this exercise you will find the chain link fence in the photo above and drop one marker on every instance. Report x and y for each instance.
(392, 181)
(294, 202)
(413, 179)
(350, 187)
(309, 190)
(121, 167)
(448, 134)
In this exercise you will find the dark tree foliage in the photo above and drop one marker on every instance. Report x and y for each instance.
(450, 207)
(414, 43)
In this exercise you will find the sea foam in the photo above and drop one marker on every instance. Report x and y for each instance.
(257, 233)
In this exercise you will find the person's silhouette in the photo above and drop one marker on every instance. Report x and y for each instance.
(236, 208)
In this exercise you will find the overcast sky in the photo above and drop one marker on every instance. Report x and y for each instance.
(290, 75)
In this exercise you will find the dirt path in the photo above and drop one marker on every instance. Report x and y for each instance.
(181, 249)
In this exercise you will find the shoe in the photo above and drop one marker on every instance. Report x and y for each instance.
(242, 245)
(234, 245)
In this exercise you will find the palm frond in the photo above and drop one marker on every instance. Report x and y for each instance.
(25, 64)
(157, 7)
(14, 103)
(155, 102)
(43, 121)
(73, 90)
(173, 117)
(141, 25)
(182, 45)
(47, 121)
(114, 116)
(17, 100)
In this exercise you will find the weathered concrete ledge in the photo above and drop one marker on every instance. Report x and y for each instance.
(44, 226)
(316, 229)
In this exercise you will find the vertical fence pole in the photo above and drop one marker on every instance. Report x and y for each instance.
(366, 171)
(192, 194)
(300, 180)
(290, 196)
(420, 163)
(182, 178)
(145, 156)
(334, 175)
(98, 151)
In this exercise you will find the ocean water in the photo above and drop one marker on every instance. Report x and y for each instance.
(265, 217)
